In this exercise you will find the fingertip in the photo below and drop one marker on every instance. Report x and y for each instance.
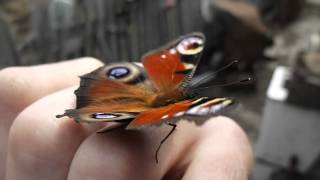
(223, 152)
(118, 155)
(224, 125)
(226, 128)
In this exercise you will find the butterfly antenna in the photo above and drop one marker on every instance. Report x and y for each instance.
(197, 81)
(243, 81)
(164, 140)
(226, 66)
(200, 79)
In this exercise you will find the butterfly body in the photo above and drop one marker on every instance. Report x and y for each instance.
(157, 91)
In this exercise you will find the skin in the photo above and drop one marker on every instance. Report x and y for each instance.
(36, 145)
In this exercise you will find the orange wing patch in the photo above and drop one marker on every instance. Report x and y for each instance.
(161, 68)
(109, 90)
(157, 115)
(116, 106)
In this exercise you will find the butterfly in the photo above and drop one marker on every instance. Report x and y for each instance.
(156, 92)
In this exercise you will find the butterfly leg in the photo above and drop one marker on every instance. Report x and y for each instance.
(164, 139)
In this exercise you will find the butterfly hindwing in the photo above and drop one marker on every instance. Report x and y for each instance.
(197, 111)
(109, 93)
(157, 115)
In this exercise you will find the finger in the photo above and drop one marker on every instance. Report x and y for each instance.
(223, 152)
(23, 85)
(127, 154)
(117, 155)
(20, 86)
(41, 146)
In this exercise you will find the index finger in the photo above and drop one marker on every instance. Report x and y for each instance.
(21, 86)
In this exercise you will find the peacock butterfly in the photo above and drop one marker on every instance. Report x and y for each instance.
(156, 92)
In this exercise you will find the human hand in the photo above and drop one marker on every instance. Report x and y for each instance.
(36, 145)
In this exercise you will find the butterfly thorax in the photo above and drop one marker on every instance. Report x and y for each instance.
(165, 98)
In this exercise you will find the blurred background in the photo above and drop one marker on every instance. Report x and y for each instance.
(276, 43)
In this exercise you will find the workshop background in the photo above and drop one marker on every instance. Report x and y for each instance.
(276, 43)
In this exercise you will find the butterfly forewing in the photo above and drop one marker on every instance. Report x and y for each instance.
(197, 111)
(174, 64)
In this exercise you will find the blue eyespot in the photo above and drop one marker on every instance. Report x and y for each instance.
(118, 73)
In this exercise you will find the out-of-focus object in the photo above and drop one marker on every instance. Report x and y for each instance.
(279, 13)
(9, 55)
(288, 147)
(234, 31)
(312, 62)
(289, 41)
(110, 30)
(16, 14)
(314, 42)
(314, 2)
(276, 90)
(304, 84)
